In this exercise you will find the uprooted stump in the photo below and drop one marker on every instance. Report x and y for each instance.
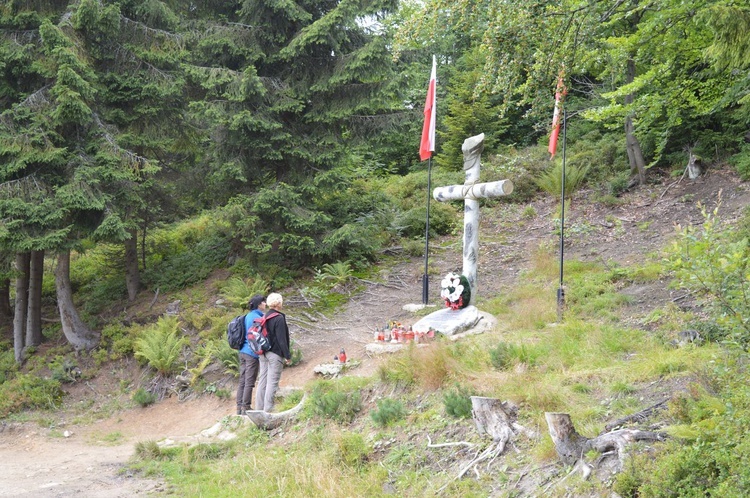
(571, 446)
(497, 419)
(270, 421)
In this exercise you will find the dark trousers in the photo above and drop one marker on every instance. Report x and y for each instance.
(248, 374)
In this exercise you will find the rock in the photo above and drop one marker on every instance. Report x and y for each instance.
(173, 308)
(328, 369)
(449, 322)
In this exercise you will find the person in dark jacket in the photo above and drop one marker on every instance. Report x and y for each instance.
(273, 361)
(248, 359)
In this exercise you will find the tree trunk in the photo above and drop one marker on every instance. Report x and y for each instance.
(132, 276)
(78, 334)
(22, 294)
(34, 313)
(5, 311)
(635, 155)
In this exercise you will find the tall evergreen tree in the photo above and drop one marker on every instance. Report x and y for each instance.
(282, 85)
(82, 93)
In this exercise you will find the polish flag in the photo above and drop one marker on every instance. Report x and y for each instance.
(556, 118)
(427, 145)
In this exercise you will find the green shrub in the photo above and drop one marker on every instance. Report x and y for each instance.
(457, 402)
(352, 450)
(388, 412)
(713, 264)
(502, 356)
(8, 365)
(296, 353)
(118, 339)
(442, 220)
(161, 346)
(143, 397)
(28, 391)
(192, 265)
(619, 183)
(330, 400)
(64, 370)
(741, 161)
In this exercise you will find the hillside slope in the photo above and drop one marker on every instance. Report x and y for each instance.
(86, 462)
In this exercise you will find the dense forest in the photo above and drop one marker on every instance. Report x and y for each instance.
(295, 126)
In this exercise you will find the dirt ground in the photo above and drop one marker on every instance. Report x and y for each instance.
(43, 462)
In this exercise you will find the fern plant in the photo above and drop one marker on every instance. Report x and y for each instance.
(337, 273)
(551, 180)
(161, 346)
(228, 357)
(238, 291)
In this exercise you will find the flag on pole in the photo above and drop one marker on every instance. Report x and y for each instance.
(427, 145)
(556, 117)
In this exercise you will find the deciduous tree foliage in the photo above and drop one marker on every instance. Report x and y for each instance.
(671, 96)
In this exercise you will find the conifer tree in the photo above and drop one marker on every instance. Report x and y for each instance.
(282, 85)
(82, 94)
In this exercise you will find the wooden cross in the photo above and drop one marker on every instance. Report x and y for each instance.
(470, 191)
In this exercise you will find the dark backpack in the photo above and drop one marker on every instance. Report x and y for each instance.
(257, 334)
(236, 332)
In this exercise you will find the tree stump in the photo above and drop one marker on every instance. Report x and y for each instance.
(494, 418)
(497, 419)
(571, 446)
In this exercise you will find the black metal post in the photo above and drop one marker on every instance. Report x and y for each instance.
(561, 290)
(425, 278)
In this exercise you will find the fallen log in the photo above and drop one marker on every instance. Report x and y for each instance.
(270, 421)
(571, 446)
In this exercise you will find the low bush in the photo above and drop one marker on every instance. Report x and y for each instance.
(335, 401)
(352, 450)
(457, 402)
(29, 391)
(143, 397)
(388, 412)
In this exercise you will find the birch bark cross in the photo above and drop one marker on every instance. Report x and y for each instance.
(470, 192)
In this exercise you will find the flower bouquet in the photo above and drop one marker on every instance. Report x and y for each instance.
(455, 291)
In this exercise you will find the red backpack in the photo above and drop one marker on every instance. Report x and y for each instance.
(257, 334)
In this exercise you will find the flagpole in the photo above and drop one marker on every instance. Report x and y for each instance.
(561, 290)
(425, 277)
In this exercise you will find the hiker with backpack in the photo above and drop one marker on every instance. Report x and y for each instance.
(273, 360)
(249, 362)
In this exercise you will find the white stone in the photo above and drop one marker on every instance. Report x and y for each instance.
(449, 322)
(328, 369)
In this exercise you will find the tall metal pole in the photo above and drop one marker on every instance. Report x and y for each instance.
(425, 277)
(561, 290)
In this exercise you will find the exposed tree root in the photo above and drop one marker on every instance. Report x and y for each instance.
(571, 446)
(496, 419)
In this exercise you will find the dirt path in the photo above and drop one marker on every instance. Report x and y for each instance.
(40, 463)
(36, 462)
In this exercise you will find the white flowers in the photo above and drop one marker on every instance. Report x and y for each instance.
(451, 287)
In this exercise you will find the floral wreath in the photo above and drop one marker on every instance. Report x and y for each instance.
(455, 291)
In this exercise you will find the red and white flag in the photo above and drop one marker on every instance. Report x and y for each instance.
(559, 93)
(427, 145)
